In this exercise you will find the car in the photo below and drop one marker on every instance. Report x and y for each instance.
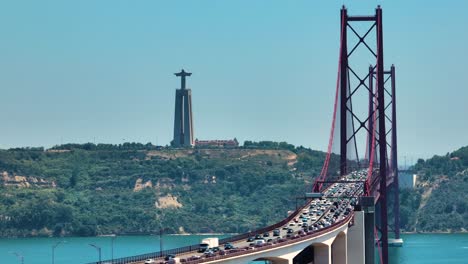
(195, 257)
(266, 234)
(290, 231)
(228, 246)
(215, 249)
(149, 261)
(258, 236)
(209, 253)
(276, 232)
(259, 242)
(250, 239)
(169, 257)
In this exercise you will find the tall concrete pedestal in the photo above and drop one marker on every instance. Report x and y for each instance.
(183, 119)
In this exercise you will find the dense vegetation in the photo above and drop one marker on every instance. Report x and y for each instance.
(231, 190)
(440, 201)
(220, 190)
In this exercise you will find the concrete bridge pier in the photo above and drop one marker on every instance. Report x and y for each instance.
(339, 249)
(322, 253)
(356, 239)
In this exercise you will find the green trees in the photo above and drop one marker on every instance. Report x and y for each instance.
(94, 194)
(443, 180)
(232, 190)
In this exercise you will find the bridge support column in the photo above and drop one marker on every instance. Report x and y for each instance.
(367, 204)
(356, 240)
(322, 254)
(339, 249)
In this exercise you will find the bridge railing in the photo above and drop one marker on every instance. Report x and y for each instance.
(152, 255)
(292, 240)
(186, 249)
(175, 251)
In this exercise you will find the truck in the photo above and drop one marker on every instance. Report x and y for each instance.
(207, 243)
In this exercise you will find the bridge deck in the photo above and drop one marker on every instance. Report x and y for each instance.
(314, 218)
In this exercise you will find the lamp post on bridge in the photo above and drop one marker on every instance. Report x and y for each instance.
(53, 250)
(113, 237)
(98, 248)
(19, 256)
(161, 230)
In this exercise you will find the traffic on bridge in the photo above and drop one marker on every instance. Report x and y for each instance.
(340, 200)
(335, 206)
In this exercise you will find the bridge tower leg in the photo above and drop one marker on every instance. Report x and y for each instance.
(396, 206)
(367, 204)
(382, 138)
(371, 110)
(343, 92)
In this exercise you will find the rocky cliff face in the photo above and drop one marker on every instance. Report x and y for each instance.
(25, 181)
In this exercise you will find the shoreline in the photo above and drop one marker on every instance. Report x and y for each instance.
(218, 234)
(433, 233)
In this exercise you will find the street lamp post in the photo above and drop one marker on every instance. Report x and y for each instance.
(160, 239)
(112, 247)
(53, 250)
(19, 256)
(98, 249)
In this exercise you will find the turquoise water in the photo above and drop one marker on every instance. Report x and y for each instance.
(431, 249)
(418, 248)
(76, 250)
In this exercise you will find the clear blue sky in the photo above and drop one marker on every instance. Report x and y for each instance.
(84, 71)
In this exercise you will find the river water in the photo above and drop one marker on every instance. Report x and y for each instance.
(418, 248)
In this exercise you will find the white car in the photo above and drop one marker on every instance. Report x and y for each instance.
(149, 261)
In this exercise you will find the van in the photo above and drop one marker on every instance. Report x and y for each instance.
(259, 242)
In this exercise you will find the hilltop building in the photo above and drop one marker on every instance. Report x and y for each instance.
(217, 143)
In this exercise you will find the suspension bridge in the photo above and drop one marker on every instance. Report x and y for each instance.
(346, 216)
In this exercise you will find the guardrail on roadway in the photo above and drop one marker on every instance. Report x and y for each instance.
(186, 249)
(287, 242)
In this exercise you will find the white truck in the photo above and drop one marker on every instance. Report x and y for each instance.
(207, 243)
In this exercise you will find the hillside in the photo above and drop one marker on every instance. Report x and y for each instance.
(439, 203)
(136, 189)
(133, 188)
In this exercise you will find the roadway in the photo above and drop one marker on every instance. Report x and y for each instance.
(336, 204)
